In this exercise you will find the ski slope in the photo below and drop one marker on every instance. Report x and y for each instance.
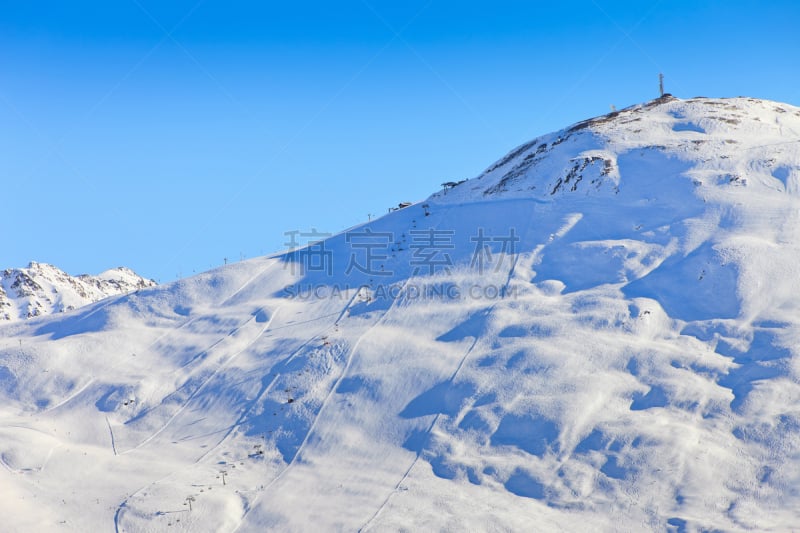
(597, 333)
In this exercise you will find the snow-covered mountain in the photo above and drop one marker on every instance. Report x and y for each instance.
(600, 332)
(42, 289)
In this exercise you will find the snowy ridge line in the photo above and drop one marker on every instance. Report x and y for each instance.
(41, 290)
(250, 281)
(177, 329)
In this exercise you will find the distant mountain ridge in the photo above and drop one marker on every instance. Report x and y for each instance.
(43, 289)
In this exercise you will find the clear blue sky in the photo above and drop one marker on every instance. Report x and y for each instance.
(166, 136)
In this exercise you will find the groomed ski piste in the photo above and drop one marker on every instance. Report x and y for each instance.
(598, 333)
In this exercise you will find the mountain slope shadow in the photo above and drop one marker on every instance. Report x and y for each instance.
(474, 327)
(523, 484)
(531, 433)
(709, 294)
(90, 319)
(765, 359)
(443, 398)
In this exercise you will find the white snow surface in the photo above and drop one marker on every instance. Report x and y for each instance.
(629, 361)
(42, 289)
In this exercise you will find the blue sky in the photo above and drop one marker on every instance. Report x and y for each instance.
(167, 136)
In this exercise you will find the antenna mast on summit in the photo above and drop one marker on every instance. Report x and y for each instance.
(661, 84)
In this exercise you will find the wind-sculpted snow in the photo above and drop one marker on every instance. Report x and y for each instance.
(598, 333)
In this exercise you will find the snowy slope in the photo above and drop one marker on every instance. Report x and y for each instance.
(598, 333)
(42, 289)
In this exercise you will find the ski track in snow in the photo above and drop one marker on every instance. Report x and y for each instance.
(111, 434)
(451, 379)
(170, 332)
(330, 394)
(203, 385)
(381, 319)
(71, 397)
(186, 323)
(259, 397)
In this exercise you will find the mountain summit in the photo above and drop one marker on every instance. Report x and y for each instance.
(591, 157)
(599, 332)
(42, 289)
